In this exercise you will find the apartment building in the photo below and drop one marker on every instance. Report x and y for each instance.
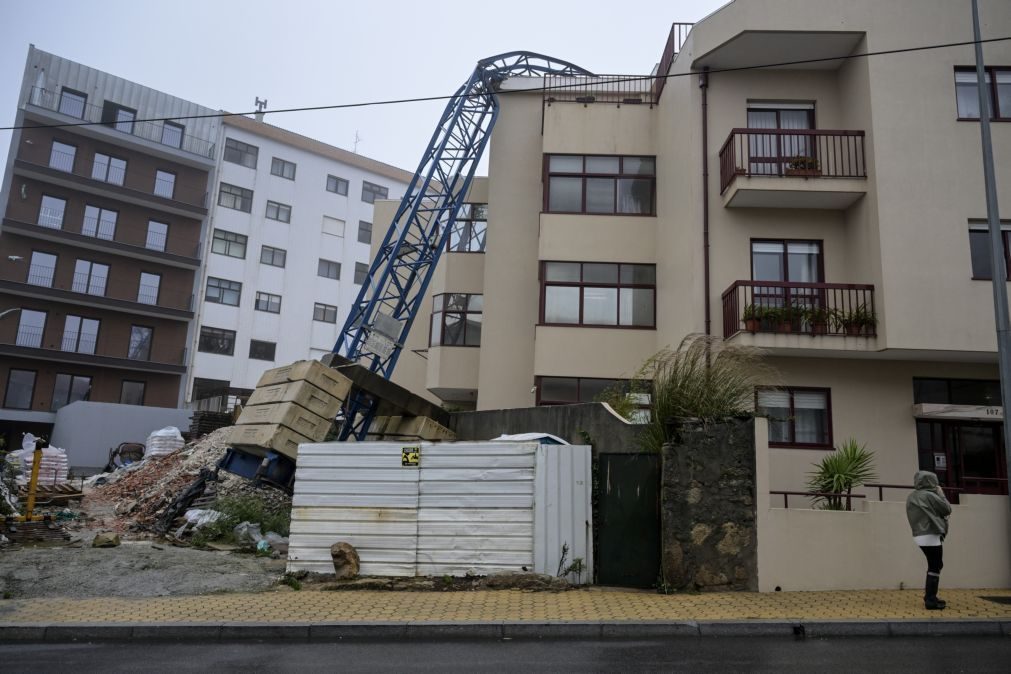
(830, 212)
(103, 214)
(286, 254)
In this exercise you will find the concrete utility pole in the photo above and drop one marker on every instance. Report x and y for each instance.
(997, 259)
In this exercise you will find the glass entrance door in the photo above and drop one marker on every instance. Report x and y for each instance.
(966, 455)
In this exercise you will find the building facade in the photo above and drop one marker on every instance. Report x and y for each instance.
(286, 253)
(830, 212)
(103, 218)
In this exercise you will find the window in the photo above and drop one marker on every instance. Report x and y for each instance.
(267, 302)
(61, 157)
(147, 289)
(99, 223)
(261, 350)
(51, 212)
(456, 320)
(157, 235)
(172, 134)
(132, 392)
(361, 273)
(222, 291)
(280, 212)
(238, 152)
(229, 243)
(772, 154)
(164, 184)
(329, 269)
(337, 185)
(73, 103)
(333, 226)
(140, 343)
(600, 184)
(573, 390)
(238, 198)
(324, 312)
(470, 230)
(364, 232)
(90, 277)
(998, 86)
(371, 192)
(979, 392)
(215, 340)
(275, 257)
(70, 388)
(20, 389)
(592, 294)
(79, 334)
(31, 327)
(120, 117)
(979, 248)
(41, 269)
(798, 417)
(280, 167)
(108, 169)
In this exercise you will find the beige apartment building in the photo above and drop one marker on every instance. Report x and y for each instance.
(838, 203)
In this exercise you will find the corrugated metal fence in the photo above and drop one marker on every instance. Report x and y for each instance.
(464, 508)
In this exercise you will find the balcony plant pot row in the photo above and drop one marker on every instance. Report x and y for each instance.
(803, 166)
(818, 320)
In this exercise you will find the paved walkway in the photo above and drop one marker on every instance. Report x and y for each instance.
(589, 605)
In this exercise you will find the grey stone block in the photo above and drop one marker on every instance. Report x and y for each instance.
(447, 630)
(945, 628)
(362, 630)
(264, 631)
(26, 632)
(847, 628)
(569, 629)
(89, 632)
(177, 631)
(751, 628)
(649, 630)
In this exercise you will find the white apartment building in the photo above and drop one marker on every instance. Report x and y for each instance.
(286, 252)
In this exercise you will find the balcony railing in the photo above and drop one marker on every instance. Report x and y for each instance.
(675, 40)
(96, 284)
(616, 89)
(806, 153)
(153, 131)
(29, 336)
(809, 308)
(85, 345)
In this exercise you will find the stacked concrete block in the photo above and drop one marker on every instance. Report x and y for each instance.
(409, 428)
(291, 405)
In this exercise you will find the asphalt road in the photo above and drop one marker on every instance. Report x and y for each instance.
(690, 654)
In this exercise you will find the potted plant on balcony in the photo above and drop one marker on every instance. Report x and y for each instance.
(818, 319)
(856, 322)
(782, 318)
(801, 165)
(753, 316)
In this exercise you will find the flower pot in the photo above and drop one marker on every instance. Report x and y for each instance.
(819, 328)
(803, 172)
(752, 324)
(785, 326)
(853, 329)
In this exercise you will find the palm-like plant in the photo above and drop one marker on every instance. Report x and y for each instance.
(849, 466)
(703, 378)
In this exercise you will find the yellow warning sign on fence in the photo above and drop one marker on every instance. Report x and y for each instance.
(410, 456)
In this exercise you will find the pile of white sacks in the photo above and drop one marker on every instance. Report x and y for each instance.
(53, 468)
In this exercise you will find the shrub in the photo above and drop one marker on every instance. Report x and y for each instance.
(849, 466)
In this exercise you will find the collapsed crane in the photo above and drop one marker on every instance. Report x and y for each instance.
(371, 341)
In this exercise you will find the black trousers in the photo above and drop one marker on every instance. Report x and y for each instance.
(934, 554)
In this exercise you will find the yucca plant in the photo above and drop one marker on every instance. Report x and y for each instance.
(704, 378)
(849, 466)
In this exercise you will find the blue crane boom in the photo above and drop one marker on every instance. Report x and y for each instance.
(382, 315)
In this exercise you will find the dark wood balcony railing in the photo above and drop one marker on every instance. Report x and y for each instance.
(808, 153)
(809, 308)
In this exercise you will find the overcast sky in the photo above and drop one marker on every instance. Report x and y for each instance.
(225, 53)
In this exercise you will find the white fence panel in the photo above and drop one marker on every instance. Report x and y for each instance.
(563, 512)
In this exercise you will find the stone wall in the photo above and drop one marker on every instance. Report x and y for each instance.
(707, 507)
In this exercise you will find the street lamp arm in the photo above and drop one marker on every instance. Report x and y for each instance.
(9, 311)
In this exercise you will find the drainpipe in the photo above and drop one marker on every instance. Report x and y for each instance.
(704, 86)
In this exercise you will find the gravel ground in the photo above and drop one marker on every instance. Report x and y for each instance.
(137, 568)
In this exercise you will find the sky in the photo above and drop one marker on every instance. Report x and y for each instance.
(223, 53)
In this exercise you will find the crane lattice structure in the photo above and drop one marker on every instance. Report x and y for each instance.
(382, 315)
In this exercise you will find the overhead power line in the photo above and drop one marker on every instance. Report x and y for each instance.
(422, 99)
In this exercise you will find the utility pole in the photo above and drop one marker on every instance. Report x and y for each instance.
(997, 259)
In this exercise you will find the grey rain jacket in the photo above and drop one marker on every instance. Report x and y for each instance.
(926, 509)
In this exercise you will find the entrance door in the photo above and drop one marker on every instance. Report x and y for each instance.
(966, 455)
(628, 542)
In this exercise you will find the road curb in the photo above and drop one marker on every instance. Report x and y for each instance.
(328, 632)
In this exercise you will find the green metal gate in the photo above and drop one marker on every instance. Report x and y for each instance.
(628, 535)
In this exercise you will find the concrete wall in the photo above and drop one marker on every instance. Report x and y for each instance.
(593, 423)
(89, 430)
(872, 547)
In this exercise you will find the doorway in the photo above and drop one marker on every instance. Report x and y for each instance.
(967, 456)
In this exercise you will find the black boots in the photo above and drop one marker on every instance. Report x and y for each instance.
(930, 600)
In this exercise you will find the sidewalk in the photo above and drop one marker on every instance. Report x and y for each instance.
(586, 612)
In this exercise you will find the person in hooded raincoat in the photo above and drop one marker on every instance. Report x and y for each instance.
(927, 510)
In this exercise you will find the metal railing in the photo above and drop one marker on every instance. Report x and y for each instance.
(93, 227)
(40, 275)
(809, 308)
(817, 494)
(950, 493)
(152, 131)
(29, 336)
(97, 285)
(616, 89)
(675, 40)
(79, 342)
(808, 153)
(74, 342)
(62, 161)
(98, 228)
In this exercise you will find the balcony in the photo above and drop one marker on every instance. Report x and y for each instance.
(80, 350)
(93, 289)
(801, 315)
(792, 168)
(169, 136)
(51, 229)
